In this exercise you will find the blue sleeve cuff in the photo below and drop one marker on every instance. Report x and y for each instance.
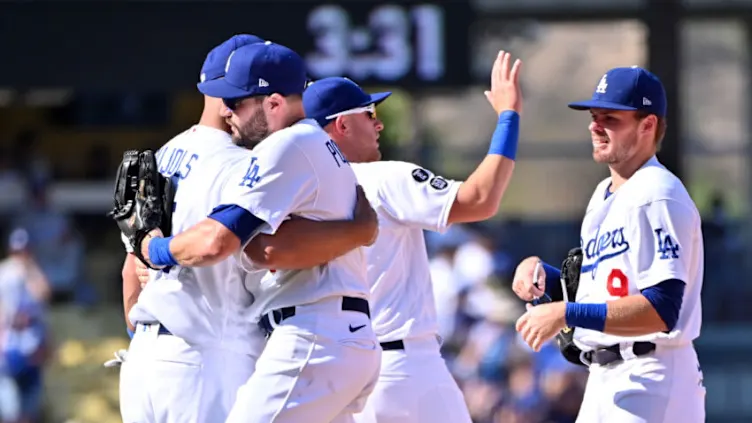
(553, 276)
(506, 136)
(586, 316)
(130, 333)
(666, 298)
(238, 220)
(159, 252)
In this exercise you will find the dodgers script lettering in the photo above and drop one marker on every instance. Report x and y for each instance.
(603, 246)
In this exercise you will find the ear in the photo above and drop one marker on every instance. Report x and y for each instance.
(341, 125)
(649, 124)
(274, 101)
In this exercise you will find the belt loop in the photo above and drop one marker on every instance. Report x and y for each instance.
(583, 358)
(272, 316)
(626, 350)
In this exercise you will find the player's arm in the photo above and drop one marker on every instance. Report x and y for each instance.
(261, 196)
(479, 196)
(131, 287)
(301, 243)
(131, 284)
(663, 232)
(298, 244)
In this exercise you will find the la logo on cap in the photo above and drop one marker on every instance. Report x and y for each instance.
(601, 88)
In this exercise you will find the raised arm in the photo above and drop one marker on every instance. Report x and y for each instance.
(479, 196)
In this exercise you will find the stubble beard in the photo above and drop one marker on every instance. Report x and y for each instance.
(252, 132)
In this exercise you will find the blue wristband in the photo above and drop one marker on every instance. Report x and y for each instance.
(130, 333)
(159, 252)
(507, 134)
(586, 316)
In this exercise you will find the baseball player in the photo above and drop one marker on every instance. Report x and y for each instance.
(194, 343)
(322, 358)
(637, 306)
(415, 385)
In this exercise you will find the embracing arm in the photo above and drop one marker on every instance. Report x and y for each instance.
(302, 243)
(297, 244)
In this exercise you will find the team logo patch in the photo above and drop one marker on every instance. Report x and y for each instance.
(439, 183)
(668, 248)
(420, 175)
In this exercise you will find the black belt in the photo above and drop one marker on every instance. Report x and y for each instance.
(612, 354)
(393, 345)
(281, 314)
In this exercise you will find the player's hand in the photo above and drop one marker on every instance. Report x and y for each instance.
(505, 91)
(154, 233)
(143, 273)
(523, 284)
(541, 323)
(365, 217)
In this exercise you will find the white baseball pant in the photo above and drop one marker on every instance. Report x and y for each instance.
(415, 386)
(663, 387)
(315, 368)
(165, 380)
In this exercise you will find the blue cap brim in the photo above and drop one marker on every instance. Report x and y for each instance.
(220, 88)
(379, 97)
(597, 104)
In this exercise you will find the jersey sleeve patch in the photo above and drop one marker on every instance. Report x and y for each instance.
(438, 183)
(420, 175)
(668, 248)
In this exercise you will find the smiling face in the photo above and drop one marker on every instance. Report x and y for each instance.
(621, 136)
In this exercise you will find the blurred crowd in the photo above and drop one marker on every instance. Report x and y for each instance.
(42, 266)
(502, 378)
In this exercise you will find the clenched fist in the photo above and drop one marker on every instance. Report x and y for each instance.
(523, 284)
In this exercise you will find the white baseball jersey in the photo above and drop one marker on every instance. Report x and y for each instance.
(299, 171)
(209, 305)
(408, 199)
(646, 232)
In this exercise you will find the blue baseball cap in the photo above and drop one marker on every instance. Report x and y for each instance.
(259, 69)
(214, 64)
(631, 88)
(330, 96)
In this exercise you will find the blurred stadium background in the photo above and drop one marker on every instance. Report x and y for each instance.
(82, 81)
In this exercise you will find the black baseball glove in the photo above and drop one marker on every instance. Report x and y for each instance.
(143, 199)
(570, 280)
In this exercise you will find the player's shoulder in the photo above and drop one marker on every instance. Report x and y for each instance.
(200, 138)
(388, 172)
(393, 167)
(654, 183)
(300, 134)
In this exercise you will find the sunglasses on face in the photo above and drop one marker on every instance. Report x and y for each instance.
(370, 110)
(234, 103)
